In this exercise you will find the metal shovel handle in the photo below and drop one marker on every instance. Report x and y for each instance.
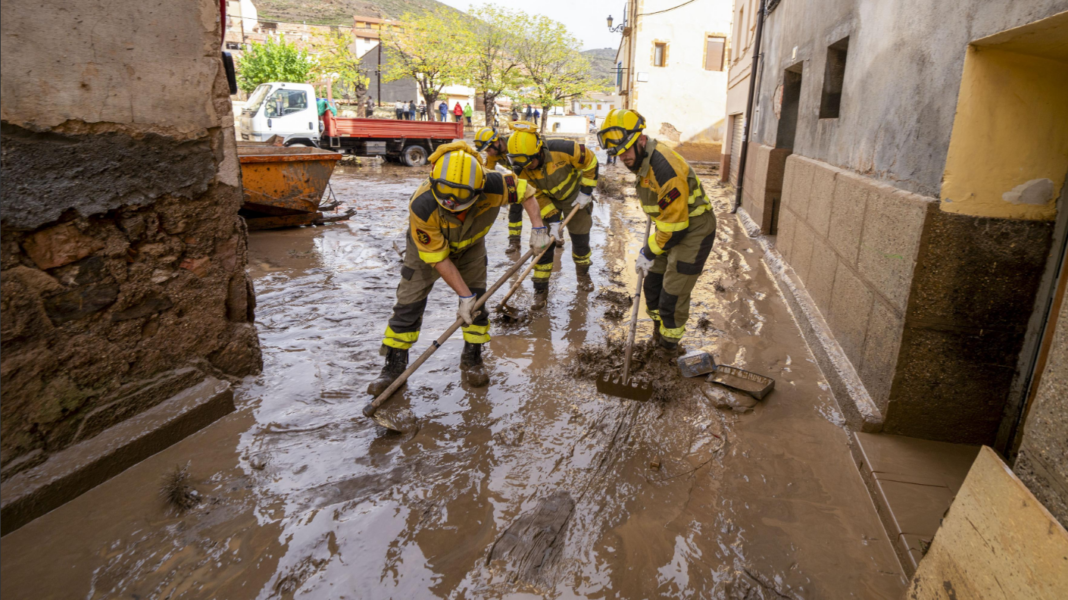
(634, 312)
(374, 405)
(530, 267)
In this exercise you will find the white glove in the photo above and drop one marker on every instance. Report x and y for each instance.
(554, 230)
(467, 309)
(583, 200)
(539, 238)
(642, 264)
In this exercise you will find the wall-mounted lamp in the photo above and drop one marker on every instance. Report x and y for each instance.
(617, 28)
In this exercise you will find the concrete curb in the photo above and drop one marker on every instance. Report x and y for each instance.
(85, 465)
(852, 397)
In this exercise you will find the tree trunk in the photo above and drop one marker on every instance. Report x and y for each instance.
(544, 117)
(489, 102)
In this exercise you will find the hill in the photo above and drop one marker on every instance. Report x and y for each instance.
(340, 12)
(602, 64)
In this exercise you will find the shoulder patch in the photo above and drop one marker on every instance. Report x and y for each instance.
(494, 183)
(424, 205)
(512, 187)
(422, 236)
(566, 146)
(662, 169)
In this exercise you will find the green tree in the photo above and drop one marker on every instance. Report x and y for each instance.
(557, 71)
(275, 60)
(335, 61)
(495, 68)
(431, 48)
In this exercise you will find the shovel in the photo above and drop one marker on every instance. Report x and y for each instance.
(623, 387)
(406, 425)
(513, 314)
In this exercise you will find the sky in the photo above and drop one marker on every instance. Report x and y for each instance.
(584, 18)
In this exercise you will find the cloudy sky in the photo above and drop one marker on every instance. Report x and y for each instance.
(585, 18)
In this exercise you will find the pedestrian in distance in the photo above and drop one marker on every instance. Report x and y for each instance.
(537, 115)
(529, 114)
(369, 111)
(422, 110)
(468, 113)
(672, 196)
(564, 171)
(411, 110)
(442, 109)
(398, 110)
(457, 112)
(449, 216)
(515, 115)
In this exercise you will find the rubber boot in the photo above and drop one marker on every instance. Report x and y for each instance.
(656, 333)
(514, 244)
(671, 347)
(541, 296)
(396, 363)
(471, 367)
(560, 242)
(582, 273)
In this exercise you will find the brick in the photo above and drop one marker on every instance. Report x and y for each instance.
(60, 245)
(851, 305)
(847, 216)
(893, 224)
(881, 346)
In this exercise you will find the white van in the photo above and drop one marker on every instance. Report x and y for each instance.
(284, 109)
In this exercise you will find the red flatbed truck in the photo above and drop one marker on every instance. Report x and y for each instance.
(407, 142)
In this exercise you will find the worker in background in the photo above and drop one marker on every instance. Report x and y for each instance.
(496, 148)
(449, 216)
(468, 113)
(566, 172)
(685, 227)
(443, 108)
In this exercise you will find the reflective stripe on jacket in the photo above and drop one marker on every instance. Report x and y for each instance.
(569, 166)
(670, 193)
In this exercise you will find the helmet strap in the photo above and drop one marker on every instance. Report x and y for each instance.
(639, 155)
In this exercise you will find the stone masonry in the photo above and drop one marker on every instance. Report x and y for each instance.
(123, 257)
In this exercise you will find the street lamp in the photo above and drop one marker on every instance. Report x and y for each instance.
(617, 28)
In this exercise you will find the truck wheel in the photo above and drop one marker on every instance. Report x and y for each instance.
(414, 156)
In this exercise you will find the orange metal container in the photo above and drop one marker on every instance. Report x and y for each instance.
(284, 181)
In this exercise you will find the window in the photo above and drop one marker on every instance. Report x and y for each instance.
(598, 107)
(715, 47)
(233, 45)
(833, 78)
(659, 54)
(284, 102)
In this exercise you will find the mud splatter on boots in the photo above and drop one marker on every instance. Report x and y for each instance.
(396, 363)
(582, 273)
(471, 367)
(514, 244)
(541, 295)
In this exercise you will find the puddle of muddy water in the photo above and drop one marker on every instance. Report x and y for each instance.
(535, 484)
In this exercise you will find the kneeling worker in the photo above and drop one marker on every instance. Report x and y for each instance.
(565, 172)
(685, 226)
(448, 219)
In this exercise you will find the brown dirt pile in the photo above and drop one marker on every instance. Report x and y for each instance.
(648, 363)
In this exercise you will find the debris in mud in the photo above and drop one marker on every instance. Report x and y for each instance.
(510, 318)
(648, 363)
(719, 286)
(615, 313)
(177, 492)
(721, 398)
(655, 464)
(533, 542)
(609, 187)
(703, 324)
(511, 435)
(615, 297)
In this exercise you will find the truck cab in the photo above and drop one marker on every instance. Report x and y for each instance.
(284, 109)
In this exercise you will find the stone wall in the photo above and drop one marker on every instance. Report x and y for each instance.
(929, 307)
(763, 185)
(122, 255)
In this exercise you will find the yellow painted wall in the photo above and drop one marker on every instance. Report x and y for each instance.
(1011, 127)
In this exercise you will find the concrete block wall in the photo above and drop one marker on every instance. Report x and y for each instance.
(763, 185)
(854, 242)
(929, 307)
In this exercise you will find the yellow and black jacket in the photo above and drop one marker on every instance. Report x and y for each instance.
(670, 193)
(568, 168)
(438, 234)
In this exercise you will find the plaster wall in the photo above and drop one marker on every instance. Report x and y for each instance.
(742, 45)
(681, 101)
(902, 79)
(122, 262)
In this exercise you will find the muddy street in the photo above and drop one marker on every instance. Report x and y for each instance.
(535, 486)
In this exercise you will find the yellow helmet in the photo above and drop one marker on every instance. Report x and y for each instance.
(621, 128)
(524, 145)
(457, 177)
(485, 137)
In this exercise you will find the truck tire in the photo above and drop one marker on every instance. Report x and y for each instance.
(414, 156)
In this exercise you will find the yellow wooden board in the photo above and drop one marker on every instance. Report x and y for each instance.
(997, 541)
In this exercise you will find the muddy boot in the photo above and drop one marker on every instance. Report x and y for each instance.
(471, 368)
(396, 363)
(514, 244)
(541, 296)
(656, 334)
(585, 282)
(671, 347)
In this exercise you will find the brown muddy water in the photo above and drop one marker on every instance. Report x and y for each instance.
(535, 486)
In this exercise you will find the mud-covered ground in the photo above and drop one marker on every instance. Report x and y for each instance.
(536, 486)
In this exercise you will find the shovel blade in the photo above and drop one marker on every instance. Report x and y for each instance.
(510, 314)
(399, 421)
(613, 385)
(696, 364)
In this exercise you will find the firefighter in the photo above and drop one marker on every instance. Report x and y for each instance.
(565, 172)
(685, 226)
(496, 148)
(449, 216)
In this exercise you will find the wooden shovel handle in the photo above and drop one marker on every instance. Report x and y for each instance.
(530, 267)
(634, 312)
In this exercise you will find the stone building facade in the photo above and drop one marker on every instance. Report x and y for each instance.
(123, 257)
(908, 162)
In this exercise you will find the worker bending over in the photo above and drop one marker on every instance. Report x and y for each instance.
(449, 216)
(685, 226)
(496, 148)
(565, 172)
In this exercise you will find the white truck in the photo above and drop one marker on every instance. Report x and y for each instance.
(289, 110)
